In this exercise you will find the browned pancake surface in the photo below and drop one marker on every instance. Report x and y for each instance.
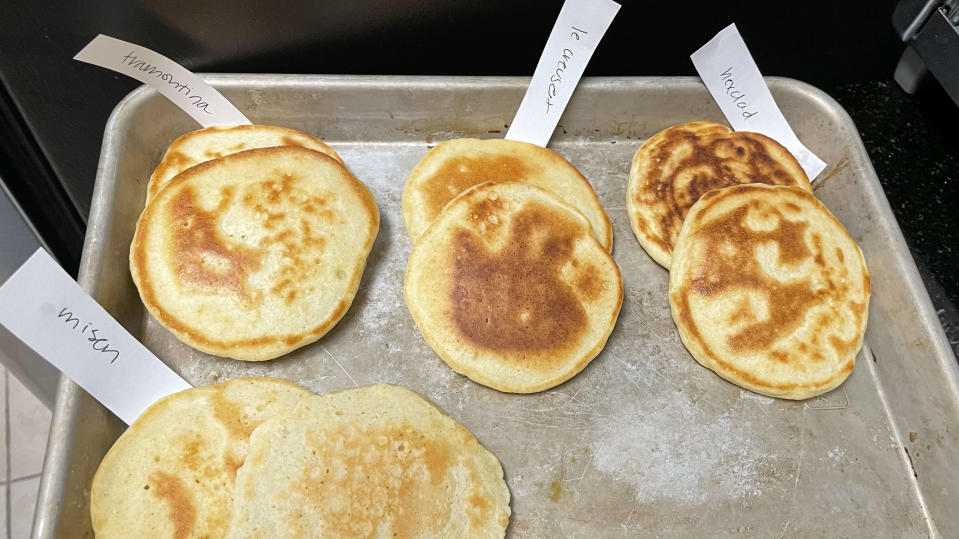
(769, 290)
(214, 142)
(675, 167)
(172, 473)
(254, 254)
(515, 299)
(456, 165)
(510, 288)
(460, 173)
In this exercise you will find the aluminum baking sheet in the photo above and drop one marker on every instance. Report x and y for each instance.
(643, 442)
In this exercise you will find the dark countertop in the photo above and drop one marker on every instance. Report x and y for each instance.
(914, 146)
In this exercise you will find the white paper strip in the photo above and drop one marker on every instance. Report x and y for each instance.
(175, 82)
(578, 30)
(50, 313)
(731, 75)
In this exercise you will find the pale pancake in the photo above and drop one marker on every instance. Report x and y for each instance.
(205, 144)
(769, 290)
(254, 254)
(456, 165)
(171, 474)
(376, 461)
(510, 288)
(679, 164)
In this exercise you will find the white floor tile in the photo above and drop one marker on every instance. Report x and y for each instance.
(29, 426)
(23, 501)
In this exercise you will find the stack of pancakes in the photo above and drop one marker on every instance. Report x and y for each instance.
(766, 287)
(253, 240)
(510, 280)
(260, 457)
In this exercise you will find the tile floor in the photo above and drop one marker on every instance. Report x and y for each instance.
(24, 424)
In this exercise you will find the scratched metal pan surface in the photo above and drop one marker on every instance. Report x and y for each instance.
(643, 442)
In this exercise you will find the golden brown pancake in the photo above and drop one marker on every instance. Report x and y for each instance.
(375, 461)
(769, 290)
(456, 165)
(679, 164)
(510, 288)
(205, 144)
(254, 254)
(171, 474)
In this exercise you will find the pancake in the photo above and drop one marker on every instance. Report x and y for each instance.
(376, 461)
(171, 474)
(769, 290)
(455, 165)
(510, 288)
(255, 254)
(205, 144)
(679, 164)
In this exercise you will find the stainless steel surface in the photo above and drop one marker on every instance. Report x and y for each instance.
(910, 70)
(910, 15)
(937, 43)
(644, 441)
(930, 29)
(950, 8)
(18, 240)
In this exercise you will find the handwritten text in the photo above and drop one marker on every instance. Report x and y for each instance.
(738, 97)
(183, 88)
(557, 77)
(99, 343)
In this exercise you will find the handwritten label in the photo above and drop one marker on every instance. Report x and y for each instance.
(175, 82)
(50, 313)
(576, 34)
(732, 77)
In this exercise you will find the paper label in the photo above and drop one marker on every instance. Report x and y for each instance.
(736, 84)
(175, 82)
(577, 32)
(50, 313)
